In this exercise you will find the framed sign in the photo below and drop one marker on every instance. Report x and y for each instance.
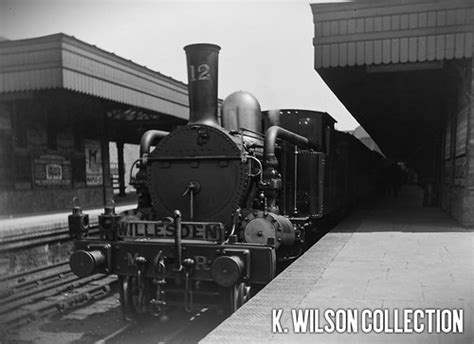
(93, 162)
(52, 170)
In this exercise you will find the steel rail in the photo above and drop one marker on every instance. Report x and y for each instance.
(44, 237)
(49, 294)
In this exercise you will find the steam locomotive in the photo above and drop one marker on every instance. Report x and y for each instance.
(220, 207)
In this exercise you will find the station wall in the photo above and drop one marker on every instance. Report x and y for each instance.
(51, 151)
(432, 38)
(457, 185)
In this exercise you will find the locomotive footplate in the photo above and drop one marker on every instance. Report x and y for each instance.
(224, 264)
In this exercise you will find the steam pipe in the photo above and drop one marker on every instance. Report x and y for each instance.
(271, 177)
(271, 136)
(149, 138)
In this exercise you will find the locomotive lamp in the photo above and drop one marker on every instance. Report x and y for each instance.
(108, 222)
(78, 221)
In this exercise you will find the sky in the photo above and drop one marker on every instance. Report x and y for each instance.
(266, 46)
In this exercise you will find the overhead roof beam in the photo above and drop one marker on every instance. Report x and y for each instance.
(61, 61)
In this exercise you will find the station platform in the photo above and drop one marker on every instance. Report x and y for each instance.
(28, 227)
(394, 256)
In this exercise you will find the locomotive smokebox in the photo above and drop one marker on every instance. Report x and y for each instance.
(202, 61)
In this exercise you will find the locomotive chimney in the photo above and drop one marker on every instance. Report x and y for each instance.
(202, 61)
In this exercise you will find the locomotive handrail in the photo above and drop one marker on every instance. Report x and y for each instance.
(257, 134)
(177, 240)
(197, 157)
(275, 132)
(149, 138)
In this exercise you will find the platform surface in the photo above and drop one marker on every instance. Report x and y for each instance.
(37, 225)
(396, 255)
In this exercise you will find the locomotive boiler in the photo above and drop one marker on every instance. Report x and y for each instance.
(218, 206)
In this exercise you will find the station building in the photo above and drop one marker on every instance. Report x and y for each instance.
(404, 70)
(62, 101)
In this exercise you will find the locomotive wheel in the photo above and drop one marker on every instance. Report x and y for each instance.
(129, 296)
(235, 297)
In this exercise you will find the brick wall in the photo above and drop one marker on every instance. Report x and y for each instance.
(468, 218)
(457, 190)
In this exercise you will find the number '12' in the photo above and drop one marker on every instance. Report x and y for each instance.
(202, 72)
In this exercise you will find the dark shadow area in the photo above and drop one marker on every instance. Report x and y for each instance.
(404, 213)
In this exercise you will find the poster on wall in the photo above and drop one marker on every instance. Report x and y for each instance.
(52, 170)
(93, 162)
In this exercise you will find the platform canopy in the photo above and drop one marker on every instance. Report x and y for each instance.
(63, 62)
(397, 65)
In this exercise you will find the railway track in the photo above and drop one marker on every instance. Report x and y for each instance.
(181, 328)
(30, 295)
(39, 293)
